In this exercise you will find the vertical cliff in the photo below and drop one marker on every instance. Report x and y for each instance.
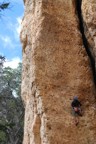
(56, 67)
(89, 22)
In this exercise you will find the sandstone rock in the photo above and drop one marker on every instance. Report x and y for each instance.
(55, 68)
(89, 18)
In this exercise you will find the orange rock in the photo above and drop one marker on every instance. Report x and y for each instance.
(55, 69)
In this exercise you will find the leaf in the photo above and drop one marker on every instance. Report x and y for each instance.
(4, 6)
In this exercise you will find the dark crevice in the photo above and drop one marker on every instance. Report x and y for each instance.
(85, 42)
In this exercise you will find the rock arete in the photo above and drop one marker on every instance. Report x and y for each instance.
(56, 67)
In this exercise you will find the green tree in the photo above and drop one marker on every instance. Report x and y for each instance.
(11, 106)
(4, 5)
(2, 59)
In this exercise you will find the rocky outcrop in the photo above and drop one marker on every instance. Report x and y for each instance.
(56, 67)
(89, 20)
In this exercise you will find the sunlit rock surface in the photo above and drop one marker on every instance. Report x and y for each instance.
(55, 69)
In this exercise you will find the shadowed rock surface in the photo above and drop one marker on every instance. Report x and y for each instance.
(56, 67)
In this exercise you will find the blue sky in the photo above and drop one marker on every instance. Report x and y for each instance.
(10, 26)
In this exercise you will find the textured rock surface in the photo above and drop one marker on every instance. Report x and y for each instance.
(55, 68)
(89, 18)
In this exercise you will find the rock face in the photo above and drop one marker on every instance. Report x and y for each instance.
(55, 68)
(89, 18)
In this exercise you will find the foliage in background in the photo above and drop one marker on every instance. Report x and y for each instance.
(4, 5)
(11, 106)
